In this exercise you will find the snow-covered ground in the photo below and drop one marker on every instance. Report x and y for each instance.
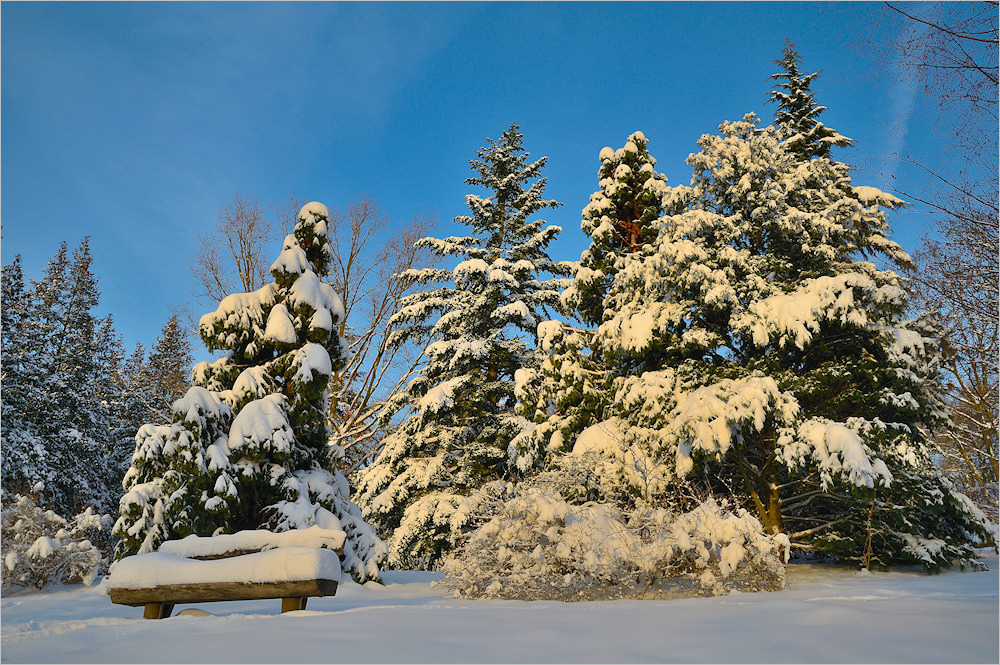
(826, 615)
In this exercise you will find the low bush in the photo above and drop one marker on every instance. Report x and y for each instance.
(539, 546)
(42, 548)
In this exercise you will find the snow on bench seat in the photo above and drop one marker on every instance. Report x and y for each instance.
(287, 564)
(159, 580)
(198, 547)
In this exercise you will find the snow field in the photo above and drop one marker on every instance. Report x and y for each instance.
(827, 615)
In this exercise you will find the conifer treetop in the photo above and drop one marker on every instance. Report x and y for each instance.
(619, 220)
(503, 168)
(797, 113)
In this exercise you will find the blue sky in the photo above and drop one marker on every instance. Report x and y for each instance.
(134, 122)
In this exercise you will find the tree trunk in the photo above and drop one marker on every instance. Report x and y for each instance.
(762, 485)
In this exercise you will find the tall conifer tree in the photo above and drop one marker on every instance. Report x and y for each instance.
(480, 319)
(569, 391)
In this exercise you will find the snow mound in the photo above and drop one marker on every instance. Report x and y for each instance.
(312, 210)
(286, 564)
(196, 546)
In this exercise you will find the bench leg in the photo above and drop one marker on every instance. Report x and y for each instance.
(292, 604)
(157, 610)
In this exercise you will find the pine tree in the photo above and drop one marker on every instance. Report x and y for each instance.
(797, 112)
(458, 415)
(763, 354)
(78, 339)
(247, 445)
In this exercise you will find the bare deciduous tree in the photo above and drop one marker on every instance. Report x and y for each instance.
(237, 255)
(949, 52)
(957, 276)
(369, 259)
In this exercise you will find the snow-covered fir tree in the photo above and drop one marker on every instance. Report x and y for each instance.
(247, 445)
(885, 516)
(147, 387)
(480, 320)
(760, 352)
(619, 220)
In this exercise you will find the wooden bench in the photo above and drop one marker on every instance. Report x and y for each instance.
(159, 600)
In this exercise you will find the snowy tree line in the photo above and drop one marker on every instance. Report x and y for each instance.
(72, 403)
(731, 372)
(72, 398)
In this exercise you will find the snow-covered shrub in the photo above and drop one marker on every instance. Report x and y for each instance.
(539, 546)
(42, 548)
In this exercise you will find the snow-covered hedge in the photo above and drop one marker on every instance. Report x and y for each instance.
(539, 546)
(42, 548)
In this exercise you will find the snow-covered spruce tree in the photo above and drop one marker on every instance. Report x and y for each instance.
(247, 447)
(808, 139)
(797, 112)
(761, 352)
(458, 415)
(566, 394)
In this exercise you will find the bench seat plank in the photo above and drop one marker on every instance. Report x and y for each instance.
(211, 592)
